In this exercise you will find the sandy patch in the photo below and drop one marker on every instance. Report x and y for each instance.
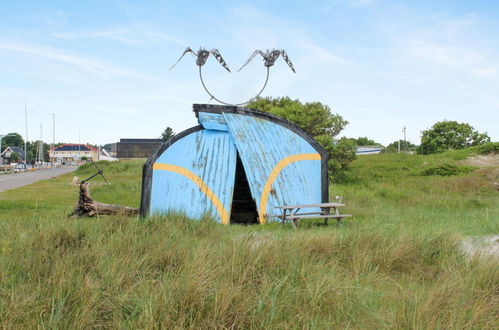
(488, 167)
(484, 246)
(482, 161)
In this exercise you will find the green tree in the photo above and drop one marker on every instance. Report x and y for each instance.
(404, 145)
(167, 134)
(364, 141)
(341, 154)
(447, 135)
(32, 147)
(12, 140)
(14, 157)
(317, 120)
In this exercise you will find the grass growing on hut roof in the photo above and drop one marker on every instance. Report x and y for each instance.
(395, 264)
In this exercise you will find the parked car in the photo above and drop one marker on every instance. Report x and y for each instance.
(19, 167)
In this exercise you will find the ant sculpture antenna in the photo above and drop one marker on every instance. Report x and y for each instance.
(269, 58)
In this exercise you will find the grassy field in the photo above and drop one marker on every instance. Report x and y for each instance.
(395, 264)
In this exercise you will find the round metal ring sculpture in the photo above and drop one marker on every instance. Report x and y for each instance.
(269, 58)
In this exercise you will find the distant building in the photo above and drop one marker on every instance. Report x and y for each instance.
(6, 154)
(113, 149)
(105, 155)
(368, 150)
(135, 148)
(73, 152)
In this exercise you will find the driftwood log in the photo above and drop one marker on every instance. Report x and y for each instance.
(87, 207)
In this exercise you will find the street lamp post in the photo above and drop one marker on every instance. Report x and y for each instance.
(53, 136)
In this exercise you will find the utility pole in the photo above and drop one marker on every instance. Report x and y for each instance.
(79, 146)
(405, 140)
(53, 135)
(40, 145)
(26, 140)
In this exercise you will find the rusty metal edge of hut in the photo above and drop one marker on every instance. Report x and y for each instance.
(145, 198)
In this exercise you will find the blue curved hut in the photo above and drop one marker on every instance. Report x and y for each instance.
(237, 165)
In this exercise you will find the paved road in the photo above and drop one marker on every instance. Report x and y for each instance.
(11, 181)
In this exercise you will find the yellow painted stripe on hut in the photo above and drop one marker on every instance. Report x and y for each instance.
(224, 215)
(273, 176)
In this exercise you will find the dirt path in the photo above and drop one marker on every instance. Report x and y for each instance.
(482, 161)
(488, 166)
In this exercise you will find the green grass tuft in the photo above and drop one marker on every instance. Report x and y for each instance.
(395, 264)
(447, 170)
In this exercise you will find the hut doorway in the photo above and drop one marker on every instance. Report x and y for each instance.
(243, 205)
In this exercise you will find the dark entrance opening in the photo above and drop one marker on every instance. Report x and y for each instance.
(243, 205)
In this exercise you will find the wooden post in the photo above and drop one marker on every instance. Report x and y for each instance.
(338, 220)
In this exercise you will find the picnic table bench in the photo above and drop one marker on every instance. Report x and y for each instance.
(294, 214)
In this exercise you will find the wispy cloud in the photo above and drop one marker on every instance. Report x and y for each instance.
(119, 34)
(127, 35)
(352, 3)
(93, 66)
(359, 3)
(164, 36)
(455, 58)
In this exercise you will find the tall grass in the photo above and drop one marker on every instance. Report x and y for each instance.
(396, 264)
(393, 190)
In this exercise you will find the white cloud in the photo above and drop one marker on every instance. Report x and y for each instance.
(133, 36)
(95, 67)
(164, 36)
(332, 4)
(360, 3)
(112, 33)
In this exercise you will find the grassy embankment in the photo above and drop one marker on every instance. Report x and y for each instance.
(395, 264)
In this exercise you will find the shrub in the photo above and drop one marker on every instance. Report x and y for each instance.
(14, 157)
(446, 170)
(447, 135)
(488, 148)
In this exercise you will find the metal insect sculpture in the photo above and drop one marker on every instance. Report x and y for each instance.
(99, 171)
(202, 56)
(269, 58)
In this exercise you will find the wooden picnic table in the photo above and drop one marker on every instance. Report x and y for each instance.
(294, 212)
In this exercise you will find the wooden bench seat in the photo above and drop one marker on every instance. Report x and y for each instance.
(295, 215)
(318, 216)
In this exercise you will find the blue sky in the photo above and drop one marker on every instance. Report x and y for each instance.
(102, 66)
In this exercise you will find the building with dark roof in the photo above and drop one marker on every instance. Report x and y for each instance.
(70, 152)
(10, 150)
(136, 148)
